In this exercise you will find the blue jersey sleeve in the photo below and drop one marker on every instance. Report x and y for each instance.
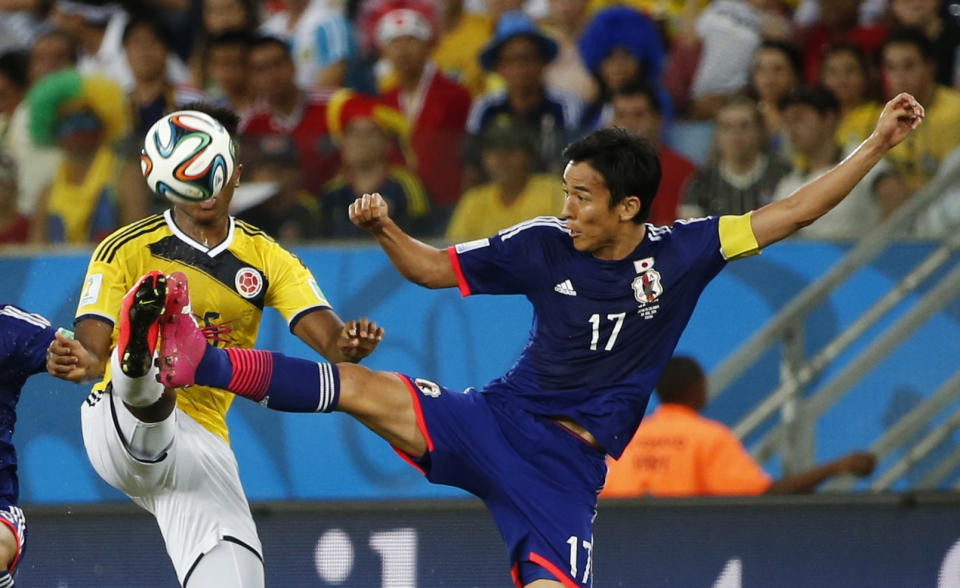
(24, 338)
(510, 261)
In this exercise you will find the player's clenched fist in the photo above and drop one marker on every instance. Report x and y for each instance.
(369, 212)
(359, 338)
(901, 115)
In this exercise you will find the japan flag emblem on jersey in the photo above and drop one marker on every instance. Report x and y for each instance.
(646, 286)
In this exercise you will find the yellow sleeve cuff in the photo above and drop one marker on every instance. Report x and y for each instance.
(736, 237)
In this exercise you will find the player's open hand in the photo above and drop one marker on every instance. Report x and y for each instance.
(369, 212)
(900, 116)
(67, 359)
(359, 338)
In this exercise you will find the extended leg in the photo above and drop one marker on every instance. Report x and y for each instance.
(227, 564)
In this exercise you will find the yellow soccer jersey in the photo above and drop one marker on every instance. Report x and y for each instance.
(229, 286)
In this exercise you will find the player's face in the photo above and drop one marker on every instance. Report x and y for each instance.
(213, 211)
(594, 226)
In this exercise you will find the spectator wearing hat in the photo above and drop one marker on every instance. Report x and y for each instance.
(83, 116)
(366, 130)
(434, 105)
(283, 108)
(636, 108)
(811, 116)
(620, 44)
(288, 213)
(519, 52)
(321, 41)
(14, 226)
(514, 194)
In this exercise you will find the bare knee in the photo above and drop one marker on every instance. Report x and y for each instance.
(382, 402)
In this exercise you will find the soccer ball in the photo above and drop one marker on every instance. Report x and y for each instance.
(187, 157)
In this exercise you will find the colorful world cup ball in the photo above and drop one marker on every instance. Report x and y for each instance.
(187, 157)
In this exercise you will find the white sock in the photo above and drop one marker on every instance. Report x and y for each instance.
(142, 391)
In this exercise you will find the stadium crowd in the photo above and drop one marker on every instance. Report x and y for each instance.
(456, 110)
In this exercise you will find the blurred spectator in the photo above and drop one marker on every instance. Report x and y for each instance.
(219, 17)
(807, 12)
(942, 218)
(152, 96)
(463, 35)
(366, 129)
(839, 21)
(288, 213)
(14, 226)
(514, 194)
(944, 33)
(36, 164)
(321, 41)
(678, 452)
(636, 108)
(519, 52)
(741, 174)
(729, 33)
(565, 23)
(228, 69)
(845, 73)
(97, 29)
(435, 106)
(20, 23)
(909, 65)
(282, 108)
(13, 85)
(620, 45)
(811, 116)
(777, 69)
(83, 115)
(669, 14)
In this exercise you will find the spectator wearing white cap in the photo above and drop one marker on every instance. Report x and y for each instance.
(434, 105)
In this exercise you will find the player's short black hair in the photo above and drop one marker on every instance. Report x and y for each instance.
(154, 25)
(231, 38)
(14, 65)
(628, 163)
(819, 98)
(639, 87)
(789, 50)
(680, 375)
(911, 36)
(268, 40)
(222, 115)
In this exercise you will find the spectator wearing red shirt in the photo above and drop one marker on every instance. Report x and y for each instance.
(282, 108)
(14, 227)
(839, 21)
(434, 105)
(637, 109)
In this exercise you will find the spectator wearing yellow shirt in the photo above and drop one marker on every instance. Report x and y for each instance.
(846, 73)
(909, 66)
(514, 193)
(463, 36)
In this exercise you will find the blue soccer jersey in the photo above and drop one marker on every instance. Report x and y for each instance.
(24, 338)
(602, 330)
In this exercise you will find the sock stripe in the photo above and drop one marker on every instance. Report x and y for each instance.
(252, 370)
(326, 383)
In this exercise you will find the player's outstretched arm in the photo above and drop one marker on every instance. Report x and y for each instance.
(781, 219)
(83, 358)
(418, 262)
(330, 337)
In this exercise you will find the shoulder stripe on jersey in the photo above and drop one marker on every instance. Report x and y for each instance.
(160, 224)
(253, 231)
(108, 247)
(540, 221)
(223, 268)
(120, 233)
(28, 317)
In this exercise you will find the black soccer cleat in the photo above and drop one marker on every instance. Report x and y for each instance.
(139, 324)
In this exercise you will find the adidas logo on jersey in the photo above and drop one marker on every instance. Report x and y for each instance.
(566, 288)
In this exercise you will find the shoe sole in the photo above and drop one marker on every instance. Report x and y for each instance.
(148, 305)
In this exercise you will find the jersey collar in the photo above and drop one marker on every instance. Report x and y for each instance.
(212, 252)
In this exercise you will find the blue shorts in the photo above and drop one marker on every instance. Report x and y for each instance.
(13, 518)
(539, 481)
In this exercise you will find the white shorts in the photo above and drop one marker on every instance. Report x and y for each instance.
(193, 490)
